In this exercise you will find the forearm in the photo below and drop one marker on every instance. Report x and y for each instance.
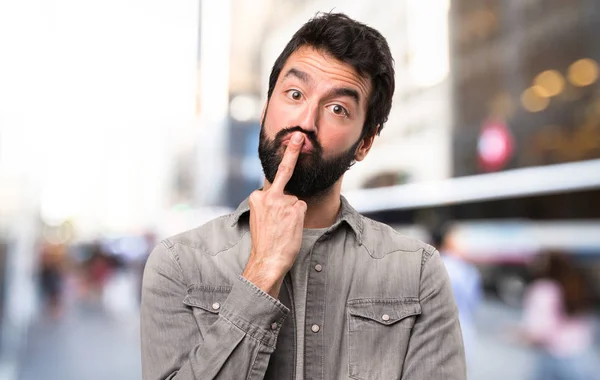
(237, 345)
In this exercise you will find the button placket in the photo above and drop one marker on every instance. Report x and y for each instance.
(315, 305)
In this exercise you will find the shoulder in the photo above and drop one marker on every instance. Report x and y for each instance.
(382, 240)
(211, 238)
(212, 253)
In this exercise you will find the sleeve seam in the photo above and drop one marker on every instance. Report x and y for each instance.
(173, 256)
(205, 251)
(428, 251)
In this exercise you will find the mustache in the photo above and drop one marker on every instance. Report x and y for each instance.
(308, 134)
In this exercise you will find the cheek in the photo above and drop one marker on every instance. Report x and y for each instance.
(337, 140)
(275, 118)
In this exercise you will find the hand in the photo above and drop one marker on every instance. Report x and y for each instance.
(276, 222)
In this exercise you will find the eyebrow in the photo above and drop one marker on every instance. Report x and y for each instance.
(304, 77)
(345, 92)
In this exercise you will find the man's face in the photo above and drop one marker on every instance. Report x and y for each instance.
(327, 101)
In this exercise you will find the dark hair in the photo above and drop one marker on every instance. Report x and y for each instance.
(437, 238)
(353, 43)
(559, 267)
(439, 233)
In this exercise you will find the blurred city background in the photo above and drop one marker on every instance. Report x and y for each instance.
(124, 122)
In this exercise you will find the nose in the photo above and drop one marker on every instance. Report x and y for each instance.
(307, 117)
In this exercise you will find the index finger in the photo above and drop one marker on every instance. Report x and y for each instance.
(288, 162)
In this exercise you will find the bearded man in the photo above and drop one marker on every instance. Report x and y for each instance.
(296, 284)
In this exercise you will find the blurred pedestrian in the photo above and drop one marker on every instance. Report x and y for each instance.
(98, 269)
(558, 321)
(51, 278)
(466, 285)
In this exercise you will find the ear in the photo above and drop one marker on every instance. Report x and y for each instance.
(364, 147)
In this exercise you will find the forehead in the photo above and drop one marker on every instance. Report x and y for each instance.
(325, 69)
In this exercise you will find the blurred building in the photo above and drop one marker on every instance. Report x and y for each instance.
(525, 89)
(526, 93)
(223, 167)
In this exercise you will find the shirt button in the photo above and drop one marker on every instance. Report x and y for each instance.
(274, 326)
(385, 317)
(216, 306)
(315, 328)
(318, 267)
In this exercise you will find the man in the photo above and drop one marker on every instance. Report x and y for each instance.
(295, 284)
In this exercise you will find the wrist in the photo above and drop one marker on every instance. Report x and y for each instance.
(268, 278)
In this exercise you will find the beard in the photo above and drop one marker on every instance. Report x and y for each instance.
(313, 175)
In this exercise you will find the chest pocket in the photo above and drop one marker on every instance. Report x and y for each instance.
(206, 301)
(378, 335)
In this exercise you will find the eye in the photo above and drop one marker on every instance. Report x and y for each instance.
(338, 110)
(294, 94)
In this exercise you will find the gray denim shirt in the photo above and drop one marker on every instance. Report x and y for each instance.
(379, 305)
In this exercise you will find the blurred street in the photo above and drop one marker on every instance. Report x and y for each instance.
(86, 343)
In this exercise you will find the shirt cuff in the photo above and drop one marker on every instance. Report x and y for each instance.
(254, 311)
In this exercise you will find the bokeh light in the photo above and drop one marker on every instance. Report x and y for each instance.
(535, 99)
(583, 72)
(551, 81)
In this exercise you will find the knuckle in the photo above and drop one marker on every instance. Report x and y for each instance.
(301, 205)
(284, 169)
(254, 197)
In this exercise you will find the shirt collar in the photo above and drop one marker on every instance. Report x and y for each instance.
(347, 214)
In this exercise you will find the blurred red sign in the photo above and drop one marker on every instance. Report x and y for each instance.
(495, 145)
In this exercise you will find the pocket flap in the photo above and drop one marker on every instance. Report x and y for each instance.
(207, 297)
(384, 311)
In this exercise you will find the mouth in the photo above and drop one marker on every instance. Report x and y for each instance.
(307, 146)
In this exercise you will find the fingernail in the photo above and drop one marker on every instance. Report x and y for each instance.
(297, 137)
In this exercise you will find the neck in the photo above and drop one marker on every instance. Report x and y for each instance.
(322, 211)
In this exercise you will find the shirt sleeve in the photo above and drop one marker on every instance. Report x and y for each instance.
(435, 349)
(237, 345)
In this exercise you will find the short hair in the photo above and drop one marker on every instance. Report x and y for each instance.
(437, 238)
(439, 233)
(353, 43)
